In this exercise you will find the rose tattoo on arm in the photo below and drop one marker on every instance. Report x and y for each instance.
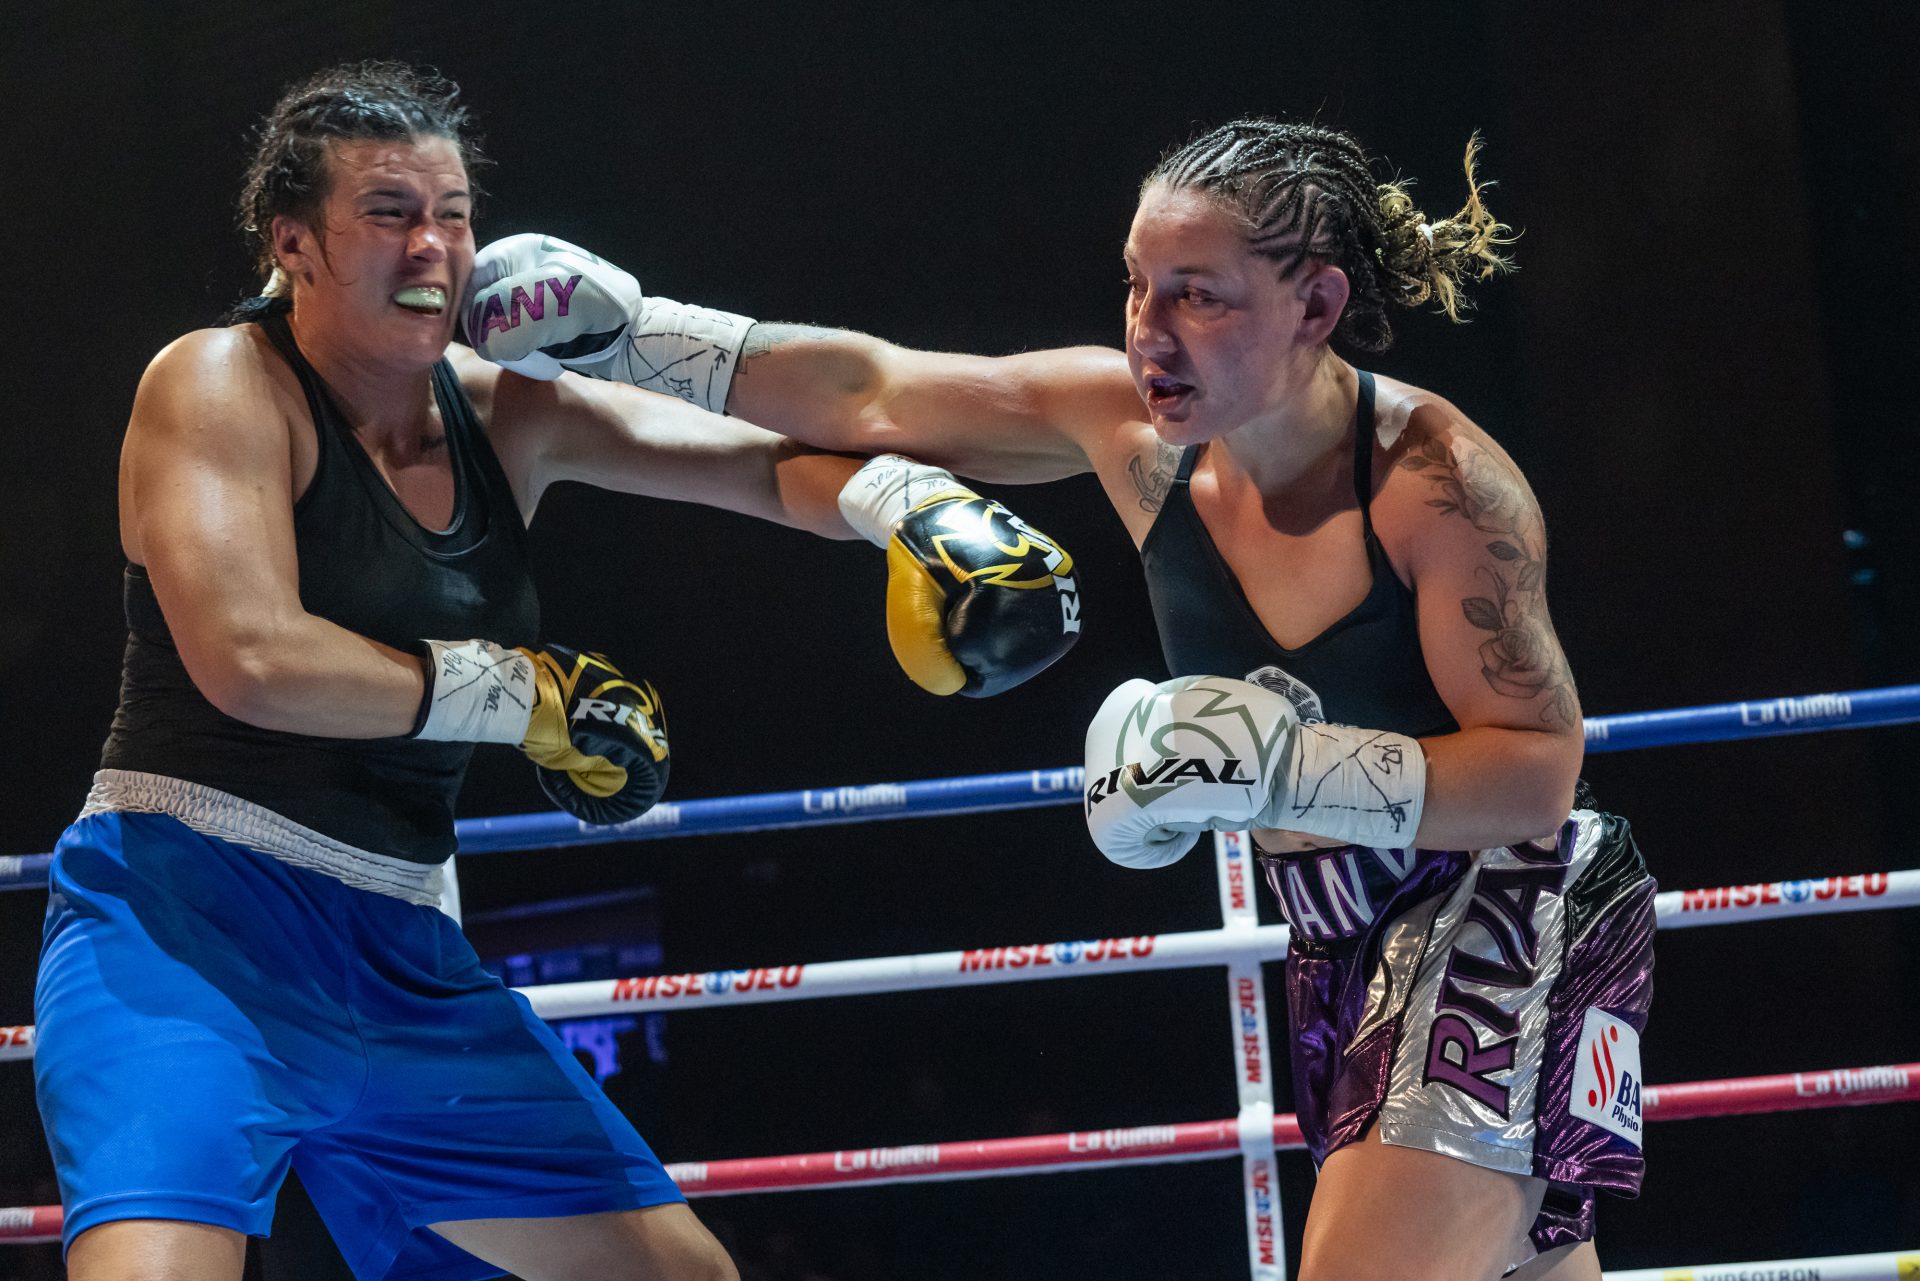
(1521, 657)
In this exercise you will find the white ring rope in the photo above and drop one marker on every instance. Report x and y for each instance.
(1025, 962)
(1240, 944)
(1900, 1265)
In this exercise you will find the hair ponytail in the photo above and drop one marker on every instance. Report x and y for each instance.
(1304, 191)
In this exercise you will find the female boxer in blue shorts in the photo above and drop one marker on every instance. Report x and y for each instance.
(328, 598)
(1347, 550)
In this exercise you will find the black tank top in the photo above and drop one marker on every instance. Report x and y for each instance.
(367, 565)
(1366, 669)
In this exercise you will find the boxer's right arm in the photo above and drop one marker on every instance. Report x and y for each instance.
(1019, 419)
(537, 305)
(207, 506)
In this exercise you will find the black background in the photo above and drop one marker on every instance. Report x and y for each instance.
(1703, 366)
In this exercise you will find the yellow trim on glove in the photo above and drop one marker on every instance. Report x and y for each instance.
(916, 624)
(549, 743)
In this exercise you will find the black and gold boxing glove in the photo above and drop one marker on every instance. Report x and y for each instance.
(977, 599)
(598, 737)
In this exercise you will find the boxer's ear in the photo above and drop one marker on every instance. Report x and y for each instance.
(297, 249)
(1323, 290)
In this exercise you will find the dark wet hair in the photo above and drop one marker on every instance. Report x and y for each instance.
(354, 102)
(1308, 191)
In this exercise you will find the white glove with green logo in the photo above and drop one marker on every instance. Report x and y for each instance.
(1210, 753)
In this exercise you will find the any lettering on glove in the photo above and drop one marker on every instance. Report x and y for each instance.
(1210, 753)
(978, 600)
(539, 306)
(598, 737)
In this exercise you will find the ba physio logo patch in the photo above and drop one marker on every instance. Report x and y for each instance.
(1606, 1077)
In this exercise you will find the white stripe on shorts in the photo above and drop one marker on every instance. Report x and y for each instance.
(212, 812)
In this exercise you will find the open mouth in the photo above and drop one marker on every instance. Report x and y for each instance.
(1164, 391)
(424, 300)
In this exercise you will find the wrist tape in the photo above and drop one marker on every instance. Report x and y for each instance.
(879, 496)
(477, 692)
(676, 348)
(1362, 786)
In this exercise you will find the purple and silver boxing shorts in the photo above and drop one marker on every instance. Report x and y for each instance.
(1487, 1006)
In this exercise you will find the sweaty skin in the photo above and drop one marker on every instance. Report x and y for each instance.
(220, 447)
(206, 495)
(1224, 353)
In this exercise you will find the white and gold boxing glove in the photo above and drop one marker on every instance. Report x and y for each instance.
(977, 599)
(597, 736)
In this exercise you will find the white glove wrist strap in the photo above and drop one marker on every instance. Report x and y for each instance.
(477, 692)
(676, 348)
(1362, 786)
(879, 496)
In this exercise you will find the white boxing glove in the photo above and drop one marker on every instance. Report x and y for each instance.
(540, 306)
(535, 302)
(1210, 753)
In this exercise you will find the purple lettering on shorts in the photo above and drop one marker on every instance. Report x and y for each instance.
(1454, 997)
(1514, 893)
(1346, 892)
(1504, 902)
(1519, 952)
(1469, 1074)
(563, 291)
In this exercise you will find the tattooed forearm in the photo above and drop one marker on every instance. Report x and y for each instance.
(1521, 658)
(1152, 483)
(763, 338)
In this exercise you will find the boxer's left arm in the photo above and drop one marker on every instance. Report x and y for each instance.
(1460, 517)
(641, 442)
(977, 600)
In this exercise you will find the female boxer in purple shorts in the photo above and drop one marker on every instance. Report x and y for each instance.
(1347, 550)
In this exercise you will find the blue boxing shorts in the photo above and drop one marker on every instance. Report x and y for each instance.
(209, 1016)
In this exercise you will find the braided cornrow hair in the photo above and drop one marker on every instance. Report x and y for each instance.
(1304, 190)
(354, 102)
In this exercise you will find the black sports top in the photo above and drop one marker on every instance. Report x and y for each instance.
(369, 566)
(1366, 669)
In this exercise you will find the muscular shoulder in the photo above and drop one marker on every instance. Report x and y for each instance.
(1443, 485)
(213, 379)
(211, 358)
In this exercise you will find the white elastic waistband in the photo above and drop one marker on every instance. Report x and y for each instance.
(215, 813)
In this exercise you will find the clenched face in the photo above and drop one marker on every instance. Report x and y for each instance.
(1214, 335)
(384, 277)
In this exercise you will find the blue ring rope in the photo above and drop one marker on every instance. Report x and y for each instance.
(1027, 789)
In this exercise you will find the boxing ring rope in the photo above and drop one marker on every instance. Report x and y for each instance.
(1199, 1140)
(1074, 958)
(1241, 944)
(1898, 1266)
(1027, 789)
